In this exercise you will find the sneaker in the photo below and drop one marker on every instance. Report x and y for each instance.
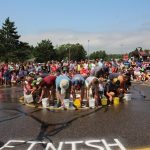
(57, 105)
(83, 106)
(62, 106)
(110, 104)
(39, 101)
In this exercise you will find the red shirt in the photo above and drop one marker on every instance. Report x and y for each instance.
(83, 71)
(49, 80)
(53, 68)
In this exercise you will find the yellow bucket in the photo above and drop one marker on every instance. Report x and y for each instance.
(77, 103)
(116, 100)
(104, 101)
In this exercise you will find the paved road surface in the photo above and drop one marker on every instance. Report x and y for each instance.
(126, 126)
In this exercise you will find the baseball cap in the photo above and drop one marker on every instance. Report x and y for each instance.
(39, 80)
(33, 82)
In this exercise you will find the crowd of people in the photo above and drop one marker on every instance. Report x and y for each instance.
(68, 80)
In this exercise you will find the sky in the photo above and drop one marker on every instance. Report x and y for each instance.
(116, 26)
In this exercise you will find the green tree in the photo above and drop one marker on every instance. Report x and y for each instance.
(23, 52)
(9, 40)
(71, 52)
(61, 52)
(77, 52)
(11, 49)
(114, 56)
(44, 51)
(98, 54)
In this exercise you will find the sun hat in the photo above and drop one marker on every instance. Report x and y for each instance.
(39, 80)
(64, 84)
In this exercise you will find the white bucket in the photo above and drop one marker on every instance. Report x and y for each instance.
(92, 103)
(66, 103)
(45, 102)
(78, 96)
(127, 97)
(28, 98)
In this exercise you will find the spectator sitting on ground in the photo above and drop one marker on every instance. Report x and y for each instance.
(112, 89)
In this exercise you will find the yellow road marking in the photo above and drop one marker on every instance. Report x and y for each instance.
(50, 108)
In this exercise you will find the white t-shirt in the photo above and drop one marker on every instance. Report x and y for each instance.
(89, 80)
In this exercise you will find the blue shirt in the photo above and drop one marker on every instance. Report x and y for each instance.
(78, 78)
(59, 79)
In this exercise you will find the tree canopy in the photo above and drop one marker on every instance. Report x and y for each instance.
(44, 51)
(71, 52)
(98, 54)
(11, 49)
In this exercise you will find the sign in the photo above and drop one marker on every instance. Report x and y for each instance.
(100, 144)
